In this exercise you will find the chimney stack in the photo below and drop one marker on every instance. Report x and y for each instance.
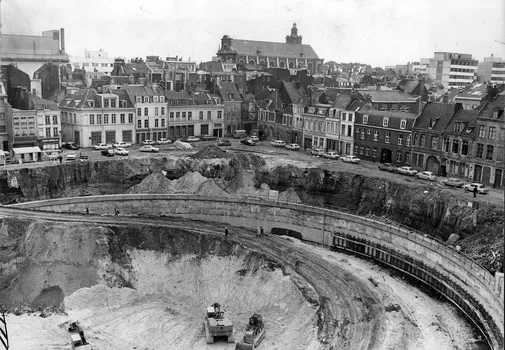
(62, 40)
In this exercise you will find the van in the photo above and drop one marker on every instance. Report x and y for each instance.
(239, 134)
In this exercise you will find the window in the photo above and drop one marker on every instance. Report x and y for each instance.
(464, 148)
(3, 128)
(48, 120)
(92, 119)
(489, 153)
(350, 117)
(376, 135)
(55, 120)
(183, 115)
(388, 137)
(423, 140)
(113, 104)
(455, 146)
(362, 133)
(162, 123)
(446, 144)
(209, 115)
(344, 116)
(2, 116)
(146, 99)
(458, 127)
(156, 123)
(482, 131)
(502, 134)
(349, 130)
(110, 136)
(156, 111)
(480, 150)
(355, 149)
(385, 122)
(190, 115)
(139, 124)
(403, 124)
(361, 150)
(492, 133)
(96, 137)
(48, 132)
(113, 119)
(399, 157)
(146, 123)
(434, 142)
(374, 152)
(139, 99)
(139, 112)
(365, 119)
(172, 115)
(106, 119)
(127, 136)
(219, 115)
(162, 99)
(400, 140)
(122, 118)
(162, 110)
(367, 151)
(130, 118)
(155, 99)
(177, 115)
(368, 133)
(146, 112)
(201, 115)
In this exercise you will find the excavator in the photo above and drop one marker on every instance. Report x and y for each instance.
(217, 325)
(254, 334)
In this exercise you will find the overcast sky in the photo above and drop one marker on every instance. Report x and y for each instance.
(379, 33)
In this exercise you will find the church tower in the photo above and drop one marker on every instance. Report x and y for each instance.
(294, 38)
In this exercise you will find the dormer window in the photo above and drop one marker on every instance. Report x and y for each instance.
(106, 102)
(458, 127)
(162, 99)
(404, 108)
(91, 104)
(123, 103)
(385, 122)
(365, 119)
(146, 99)
(403, 124)
(155, 98)
(139, 99)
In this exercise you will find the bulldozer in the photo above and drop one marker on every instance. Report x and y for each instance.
(254, 334)
(217, 325)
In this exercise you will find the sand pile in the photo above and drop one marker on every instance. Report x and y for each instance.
(211, 188)
(211, 151)
(154, 183)
(289, 196)
(188, 183)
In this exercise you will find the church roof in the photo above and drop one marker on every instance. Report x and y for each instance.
(272, 49)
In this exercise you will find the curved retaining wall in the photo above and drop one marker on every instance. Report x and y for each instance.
(480, 292)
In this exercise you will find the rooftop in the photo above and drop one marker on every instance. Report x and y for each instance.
(273, 49)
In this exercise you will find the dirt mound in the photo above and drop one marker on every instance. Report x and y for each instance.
(154, 183)
(289, 195)
(212, 189)
(188, 183)
(49, 297)
(182, 145)
(211, 151)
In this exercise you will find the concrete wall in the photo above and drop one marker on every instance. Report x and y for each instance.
(316, 225)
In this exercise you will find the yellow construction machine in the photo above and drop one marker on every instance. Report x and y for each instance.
(217, 325)
(254, 334)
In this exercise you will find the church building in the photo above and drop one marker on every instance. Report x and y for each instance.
(292, 54)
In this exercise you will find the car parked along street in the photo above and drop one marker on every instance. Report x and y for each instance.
(453, 182)
(350, 159)
(407, 170)
(148, 148)
(318, 152)
(426, 175)
(331, 155)
(481, 189)
(293, 147)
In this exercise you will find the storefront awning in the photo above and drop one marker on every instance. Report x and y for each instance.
(24, 150)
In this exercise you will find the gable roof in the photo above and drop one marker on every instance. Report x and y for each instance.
(273, 49)
(408, 85)
(436, 115)
(39, 103)
(342, 101)
(467, 116)
(292, 90)
(496, 103)
(228, 88)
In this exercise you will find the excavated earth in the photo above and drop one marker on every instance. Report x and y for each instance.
(144, 283)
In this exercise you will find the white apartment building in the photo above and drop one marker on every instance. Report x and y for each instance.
(492, 70)
(452, 69)
(93, 61)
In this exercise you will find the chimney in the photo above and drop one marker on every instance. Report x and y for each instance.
(445, 98)
(62, 40)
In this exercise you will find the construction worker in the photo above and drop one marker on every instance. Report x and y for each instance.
(258, 232)
(87, 211)
(226, 231)
(262, 231)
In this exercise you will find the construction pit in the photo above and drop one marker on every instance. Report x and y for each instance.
(139, 282)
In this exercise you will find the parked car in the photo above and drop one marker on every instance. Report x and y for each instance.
(293, 146)
(148, 142)
(192, 139)
(407, 170)
(148, 148)
(163, 142)
(248, 142)
(331, 155)
(481, 189)
(70, 145)
(122, 144)
(209, 138)
(317, 152)
(224, 142)
(83, 156)
(109, 152)
(350, 159)
(101, 146)
(278, 143)
(387, 167)
(72, 155)
(426, 175)
(254, 138)
(120, 151)
(453, 182)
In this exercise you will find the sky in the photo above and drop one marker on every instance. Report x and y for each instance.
(376, 32)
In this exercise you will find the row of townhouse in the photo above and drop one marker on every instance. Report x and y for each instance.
(135, 113)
